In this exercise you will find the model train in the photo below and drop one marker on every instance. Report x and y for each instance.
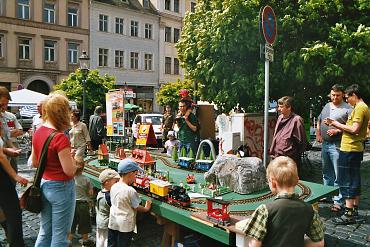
(162, 190)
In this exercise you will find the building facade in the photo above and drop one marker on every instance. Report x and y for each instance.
(124, 43)
(171, 22)
(40, 41)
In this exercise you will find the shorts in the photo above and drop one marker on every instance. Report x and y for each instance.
(81, 218)
(349, 177)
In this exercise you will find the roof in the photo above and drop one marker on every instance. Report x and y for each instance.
(131, 4)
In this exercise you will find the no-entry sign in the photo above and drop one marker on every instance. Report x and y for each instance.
(269, 24)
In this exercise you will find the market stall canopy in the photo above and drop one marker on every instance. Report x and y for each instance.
(129, 107)
(25, 97)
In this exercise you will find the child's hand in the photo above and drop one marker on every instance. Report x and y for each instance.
(148, 205)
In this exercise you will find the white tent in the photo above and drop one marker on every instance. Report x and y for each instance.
(25, 97)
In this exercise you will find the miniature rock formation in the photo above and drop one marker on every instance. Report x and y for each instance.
(241, 175)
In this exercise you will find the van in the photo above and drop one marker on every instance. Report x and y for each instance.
(150, 118)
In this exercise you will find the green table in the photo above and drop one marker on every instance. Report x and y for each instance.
(309, 192)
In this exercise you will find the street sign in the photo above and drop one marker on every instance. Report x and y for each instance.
(269, 53)
(269, 24)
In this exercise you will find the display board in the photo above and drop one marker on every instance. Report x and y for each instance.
(115, 113)
(146, 135)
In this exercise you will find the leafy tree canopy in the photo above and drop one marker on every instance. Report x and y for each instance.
(96, 88)
(319, 43)
(169, 93)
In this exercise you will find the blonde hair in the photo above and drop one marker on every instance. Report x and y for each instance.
(56, 110)
(284, 170)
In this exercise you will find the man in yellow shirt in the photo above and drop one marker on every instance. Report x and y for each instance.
(351, 154)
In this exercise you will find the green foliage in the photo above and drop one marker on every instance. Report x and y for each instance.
(96, 88)
(211, 156)
(319, 43)
(169, 93)
(183, 152)
(191, 153)
(175, 155)
(202, 155)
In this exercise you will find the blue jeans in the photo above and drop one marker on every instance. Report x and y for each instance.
(349, 177)
(58, 202)
(330, 156)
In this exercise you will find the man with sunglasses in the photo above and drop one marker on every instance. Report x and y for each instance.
(351, 154)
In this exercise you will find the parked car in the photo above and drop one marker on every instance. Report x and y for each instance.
(154, 118)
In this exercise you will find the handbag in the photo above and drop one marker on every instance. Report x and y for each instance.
(31, 198)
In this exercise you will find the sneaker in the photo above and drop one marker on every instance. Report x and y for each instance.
(344, 220)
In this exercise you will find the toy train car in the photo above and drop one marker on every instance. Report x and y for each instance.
(218, 211)
(163, 190)
(186, 162)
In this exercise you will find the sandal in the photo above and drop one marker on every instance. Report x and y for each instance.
(336, 208)
(344, 220)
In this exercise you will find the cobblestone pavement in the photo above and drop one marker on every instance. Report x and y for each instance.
(149, 233)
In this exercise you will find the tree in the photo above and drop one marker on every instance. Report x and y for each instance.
(319, 43)
(169, 93)
(96, 88)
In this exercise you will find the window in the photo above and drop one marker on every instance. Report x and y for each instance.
(72, 17)
(72, 53)
(146, 3)
(148, 58)
(148, 31)
(176, 35)
(23, 9)
(24, 49)
(134, 28)
(167, 34)
(49, 51)
(49, 13)
(118, 60)
(167, 66)
(192, 6)
(176, 66)
(103, 23)
(176, 6)
(167, 4)
(119, 25)
(2, 45)
(134, 60)
(103, 57)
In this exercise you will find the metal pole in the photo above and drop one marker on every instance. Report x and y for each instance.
(266, 115)
(84, 100)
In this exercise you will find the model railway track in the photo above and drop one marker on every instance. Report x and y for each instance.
(168, 163)
(305, 190)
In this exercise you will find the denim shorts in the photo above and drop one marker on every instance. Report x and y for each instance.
(349, 177)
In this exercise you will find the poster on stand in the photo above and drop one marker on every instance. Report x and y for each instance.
(115, 113)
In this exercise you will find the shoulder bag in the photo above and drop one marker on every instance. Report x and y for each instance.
(31, 198)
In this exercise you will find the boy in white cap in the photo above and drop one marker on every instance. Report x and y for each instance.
(107, 178)
(171, 143)
(125, 204)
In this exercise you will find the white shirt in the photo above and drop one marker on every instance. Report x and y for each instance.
(125, 200)
(36, 122)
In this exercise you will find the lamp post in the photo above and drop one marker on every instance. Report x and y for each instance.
(84, 67)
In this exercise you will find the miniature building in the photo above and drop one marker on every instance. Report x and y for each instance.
(145, 161)
(218, 211)
(120, 154)
(103, 154)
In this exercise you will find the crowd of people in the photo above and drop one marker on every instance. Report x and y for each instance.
(66, 194)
